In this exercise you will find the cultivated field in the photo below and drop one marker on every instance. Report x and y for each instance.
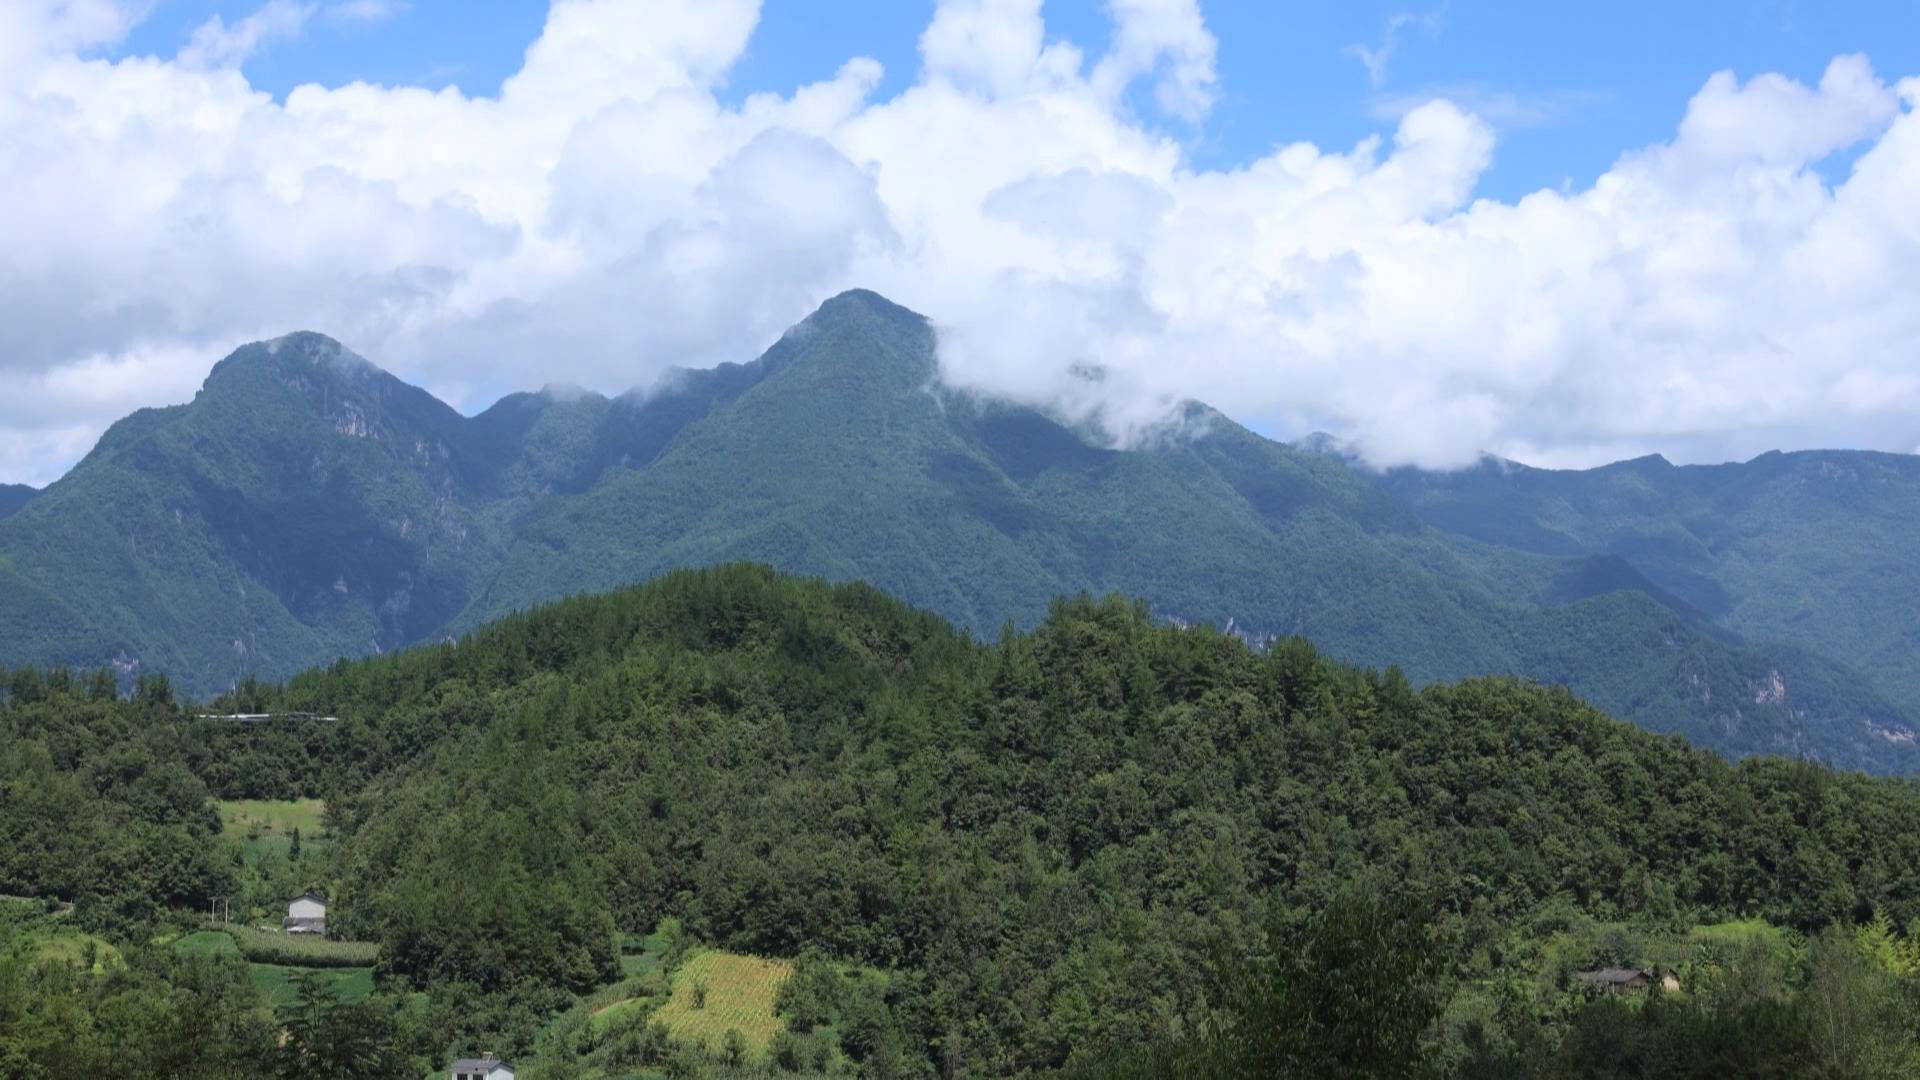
(740, 992)
(268, 947)
(300, 950)
(276, 980)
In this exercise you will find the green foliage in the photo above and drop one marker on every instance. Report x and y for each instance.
(1794, 548)
(161, 1013)
(794, 1052)
(1106, 843)
(331, 510)
(1349, 991)
(813, 995)
(1049, 838)
(98, 805)
(329, 1037)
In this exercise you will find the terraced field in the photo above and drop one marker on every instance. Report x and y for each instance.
(740, 992)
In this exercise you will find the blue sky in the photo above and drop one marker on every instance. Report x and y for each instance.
(1570, 86)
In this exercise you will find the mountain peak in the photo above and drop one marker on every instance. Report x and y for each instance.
(1646, 461)
(302, 352)
(317, 350)
(860, 335)
(855, 303)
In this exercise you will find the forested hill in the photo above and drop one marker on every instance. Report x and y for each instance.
(306, 505)
(1050, 839)
(13, 497)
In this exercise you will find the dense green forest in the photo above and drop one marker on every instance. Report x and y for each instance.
(307, 505)
(1752, 545)
(13, 497)
(1104, 845)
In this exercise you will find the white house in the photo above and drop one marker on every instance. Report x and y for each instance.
(484, 1067)
(306, 914)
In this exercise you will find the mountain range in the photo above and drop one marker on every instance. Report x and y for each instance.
(307, 505)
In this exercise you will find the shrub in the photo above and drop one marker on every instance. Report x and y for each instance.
(791, 1052)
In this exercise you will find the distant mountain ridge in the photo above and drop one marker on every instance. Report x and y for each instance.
(14, 496)
(1814, 546)
(307, 505)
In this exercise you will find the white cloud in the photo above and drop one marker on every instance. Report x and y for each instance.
(1378, 59)
(216, 44)
(606, 217)
(1167, 36)
(1504, 109)
(32, 30)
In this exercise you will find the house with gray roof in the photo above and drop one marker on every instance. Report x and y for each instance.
(484, 1067)
(306, 914)
(1618, 980)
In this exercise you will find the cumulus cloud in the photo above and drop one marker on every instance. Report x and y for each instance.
(606, 217)
(1167, 36)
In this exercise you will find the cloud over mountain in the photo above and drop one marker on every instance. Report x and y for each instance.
(606, 217)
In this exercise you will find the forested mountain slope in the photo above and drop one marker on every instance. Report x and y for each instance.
(1051, 840)
(13, 497)
(307, 505)
(1817, 548)
(304, 506)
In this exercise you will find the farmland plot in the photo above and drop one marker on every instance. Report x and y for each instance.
(739, 996)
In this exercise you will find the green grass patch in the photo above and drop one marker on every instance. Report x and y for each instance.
(739, 996)
(620, 1012)
(71, 947)
(265, 827)
(276, 982)
(238, 817)
(25, 927)
(1741, 931)
(206, 942)
(638, 965)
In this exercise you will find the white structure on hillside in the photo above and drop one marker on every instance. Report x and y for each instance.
(306, 914)
(484, 1067)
